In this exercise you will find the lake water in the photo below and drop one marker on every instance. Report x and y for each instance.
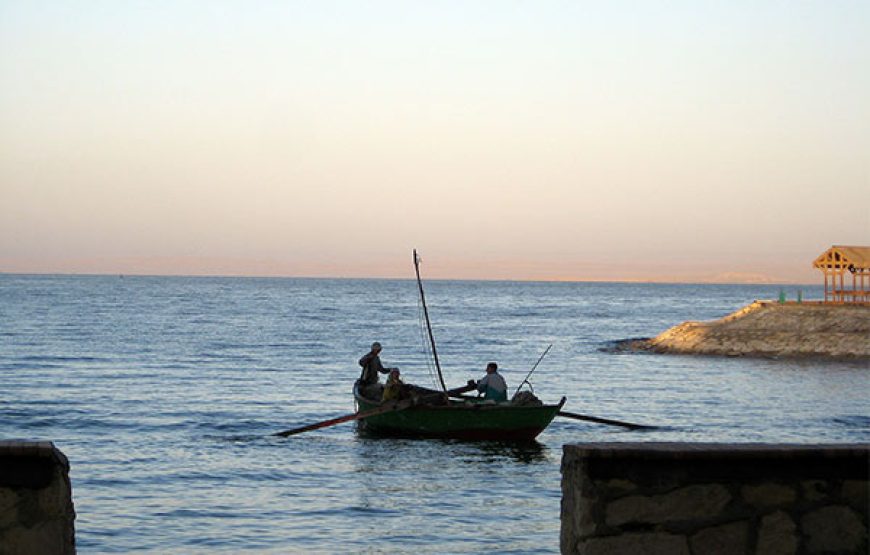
(163, 393)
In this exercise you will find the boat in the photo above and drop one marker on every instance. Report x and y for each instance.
(464, 418)
(447, 414)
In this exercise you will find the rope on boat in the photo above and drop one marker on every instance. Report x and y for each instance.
(427, 348)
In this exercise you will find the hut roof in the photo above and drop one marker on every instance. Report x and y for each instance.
(844, 256)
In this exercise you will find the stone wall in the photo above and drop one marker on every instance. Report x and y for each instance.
(36, 509)
(676, 498)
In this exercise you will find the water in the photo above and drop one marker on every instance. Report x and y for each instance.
(163, 392)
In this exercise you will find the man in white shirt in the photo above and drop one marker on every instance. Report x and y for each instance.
(493, 385)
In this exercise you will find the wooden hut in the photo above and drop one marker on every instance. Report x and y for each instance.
(836, 264)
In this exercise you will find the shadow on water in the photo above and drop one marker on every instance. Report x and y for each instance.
(248, 438)
(631, 345)
(378, 448)
(525, 452)
(853, 421)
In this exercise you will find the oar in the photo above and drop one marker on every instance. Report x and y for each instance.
(458, 391)
(392, 407)
(628, 425)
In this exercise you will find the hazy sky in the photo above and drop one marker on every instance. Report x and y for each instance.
(505, 140)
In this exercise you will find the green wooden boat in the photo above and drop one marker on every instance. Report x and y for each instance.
(467, 419)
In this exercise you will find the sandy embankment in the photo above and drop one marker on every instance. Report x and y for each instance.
(766, 328)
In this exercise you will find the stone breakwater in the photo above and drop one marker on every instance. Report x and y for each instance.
(693, 499)
(770, 329)
(36, 508)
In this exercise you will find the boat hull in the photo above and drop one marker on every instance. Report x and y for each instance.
(464, 420)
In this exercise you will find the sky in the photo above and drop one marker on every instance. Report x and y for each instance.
(630, 141)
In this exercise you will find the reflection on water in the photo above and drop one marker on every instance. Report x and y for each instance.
(469, 452)
(525, 452)
(407, 483)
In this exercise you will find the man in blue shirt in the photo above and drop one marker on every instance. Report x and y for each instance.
(493, 385)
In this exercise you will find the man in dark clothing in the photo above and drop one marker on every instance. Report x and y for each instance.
(371, 367)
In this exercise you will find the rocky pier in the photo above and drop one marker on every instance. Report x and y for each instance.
(772, 329)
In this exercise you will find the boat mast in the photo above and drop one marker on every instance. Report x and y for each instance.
(428, 324)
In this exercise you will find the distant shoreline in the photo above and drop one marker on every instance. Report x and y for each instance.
(771, 329)
(411, 278)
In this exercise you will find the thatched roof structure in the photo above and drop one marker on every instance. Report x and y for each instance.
(838, 261)
(845, 257)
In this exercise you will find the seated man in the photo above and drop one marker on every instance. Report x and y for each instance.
(493, 385)
(393, 389)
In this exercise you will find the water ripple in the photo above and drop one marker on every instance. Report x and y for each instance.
(165, 392)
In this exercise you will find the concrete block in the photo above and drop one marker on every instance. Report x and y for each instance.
(814, 490)
(53, 500)
(688, 503)
(725, 539)
(647, 543)
(857, 494)
(618, 486)
(768, 495)
(46, 538)
(777, 535)
(8, 507)
(836, 528)
(36, 508)
(578, 506)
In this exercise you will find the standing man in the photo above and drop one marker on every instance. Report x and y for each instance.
(493, 385)
(371, 367)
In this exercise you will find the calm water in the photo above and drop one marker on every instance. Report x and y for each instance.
(163, 392)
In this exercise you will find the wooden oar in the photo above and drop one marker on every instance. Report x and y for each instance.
(458, 391)
(391, 407)
(628, 425)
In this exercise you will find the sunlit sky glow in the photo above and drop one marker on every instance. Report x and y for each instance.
(678, 141)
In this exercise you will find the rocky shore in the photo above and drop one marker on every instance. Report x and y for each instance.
(771, 329)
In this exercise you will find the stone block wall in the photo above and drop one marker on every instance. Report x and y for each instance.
(36, 508)
(676, 498)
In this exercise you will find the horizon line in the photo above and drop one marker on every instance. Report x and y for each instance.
(382, 278)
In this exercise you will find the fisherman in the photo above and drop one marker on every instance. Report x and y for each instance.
(393, 389)
(493, 385)
(371, 366)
